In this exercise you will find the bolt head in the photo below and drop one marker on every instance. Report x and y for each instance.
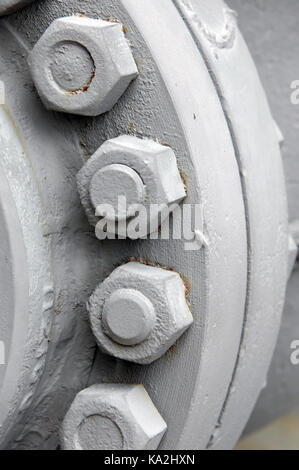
(82, 65)
(112, 417)
(128, 317)
(148, 309)
(155, 179)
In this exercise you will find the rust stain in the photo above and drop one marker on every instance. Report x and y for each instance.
(112, 20)
(138, 62)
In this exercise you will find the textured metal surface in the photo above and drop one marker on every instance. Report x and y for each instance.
(82, 65)
(156, 181)
(50, 327)
(270, 30)
(112, 417)
(187, 99)
(30, 291)
(9, 6)
(166, 292)
(293, 254)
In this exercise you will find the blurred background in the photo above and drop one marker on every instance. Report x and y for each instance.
(270, 28)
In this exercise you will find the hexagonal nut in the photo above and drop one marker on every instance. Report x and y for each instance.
(292, 254)
(112, 417)
(82, 65)
(139, 312)
(155, 165)
(10, 6)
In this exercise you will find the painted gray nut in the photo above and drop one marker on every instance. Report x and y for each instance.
(139, 312)
(82, 65)
(9, 6)
(112, 417)
(142, 172)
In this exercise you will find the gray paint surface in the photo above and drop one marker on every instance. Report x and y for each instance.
(57, 334)
(9, 6)
(107, 61)
(179, 106)
(112, 417)
(270, 28)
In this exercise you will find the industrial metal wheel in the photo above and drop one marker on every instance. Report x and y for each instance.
(197, 92)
